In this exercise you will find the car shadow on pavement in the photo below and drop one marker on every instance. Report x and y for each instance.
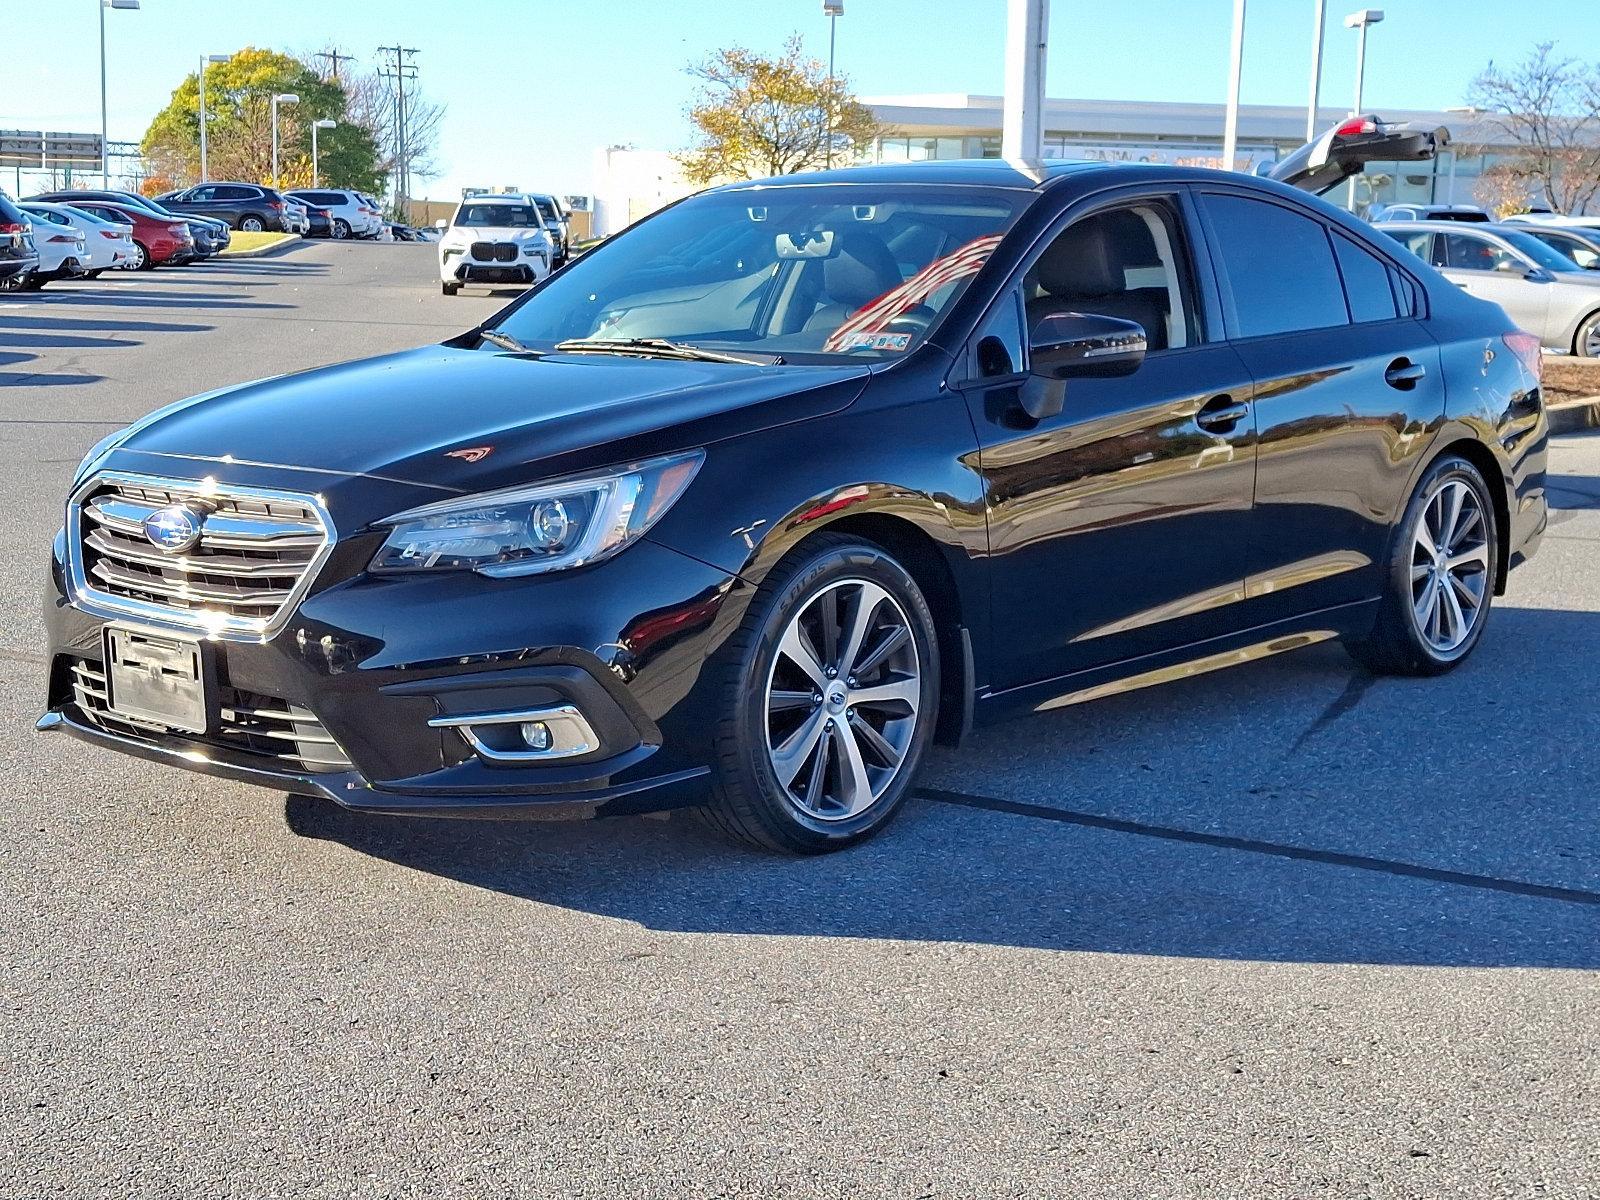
(1445, 822)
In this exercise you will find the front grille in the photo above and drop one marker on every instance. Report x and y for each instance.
(495, 251)
(251, 723)
(256, 549)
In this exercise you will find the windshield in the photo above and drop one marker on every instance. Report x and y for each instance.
(515, 216)
(801, 271)
(1549, 259)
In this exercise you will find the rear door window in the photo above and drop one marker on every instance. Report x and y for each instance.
(1366, 282)
(1278, 264)
(1463, 252)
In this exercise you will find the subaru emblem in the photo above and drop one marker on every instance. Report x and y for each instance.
(175, 528)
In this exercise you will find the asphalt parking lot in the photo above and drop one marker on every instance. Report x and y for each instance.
(1284, 930)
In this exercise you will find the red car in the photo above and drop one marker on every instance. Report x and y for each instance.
(155, 241)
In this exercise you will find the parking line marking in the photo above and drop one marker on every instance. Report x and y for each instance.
(1220, 841)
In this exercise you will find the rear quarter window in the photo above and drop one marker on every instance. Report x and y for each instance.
(1367, 286)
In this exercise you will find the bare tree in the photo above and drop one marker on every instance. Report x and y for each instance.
(1548, 107)
(371, 105)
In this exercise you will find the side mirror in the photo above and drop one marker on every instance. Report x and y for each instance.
(441, 223)
(1078, 346)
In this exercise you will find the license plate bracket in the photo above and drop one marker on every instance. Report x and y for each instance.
(160, 679)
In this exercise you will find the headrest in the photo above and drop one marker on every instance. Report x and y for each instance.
(862, 270)
(1092, 257)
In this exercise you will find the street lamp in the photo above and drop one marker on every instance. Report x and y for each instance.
(1361, 20)
(278, 98)
(105, 140)
(205, 60)
(316, 177)
(833, 10)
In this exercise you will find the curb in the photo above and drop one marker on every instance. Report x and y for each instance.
(263, 251)
(1574, 416)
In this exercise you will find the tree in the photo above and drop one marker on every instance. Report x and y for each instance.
(371, 104)
(1548, 107)
(758, 116)
(239, 132)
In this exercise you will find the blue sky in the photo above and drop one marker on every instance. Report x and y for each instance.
(533, 87)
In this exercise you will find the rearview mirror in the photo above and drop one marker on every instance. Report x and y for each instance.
(1077, 346)
(441, 223)
(810, 243)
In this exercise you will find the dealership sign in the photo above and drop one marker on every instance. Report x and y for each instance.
(1173, 154)
(41, 151)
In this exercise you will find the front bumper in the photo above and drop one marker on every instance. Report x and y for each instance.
(374, 659)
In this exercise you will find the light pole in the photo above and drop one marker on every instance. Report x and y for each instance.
(206, 60)
(285, 98)
(1027, 43)
(1230, 130)
(1316, 69)
(316, 177)
(1360, 21)
(833, 10)
(105, 140)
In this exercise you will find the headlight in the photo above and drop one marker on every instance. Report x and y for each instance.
(527, 531)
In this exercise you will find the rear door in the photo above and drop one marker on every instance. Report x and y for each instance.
(1347, 390)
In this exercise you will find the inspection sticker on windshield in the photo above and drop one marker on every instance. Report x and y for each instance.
(897, 343)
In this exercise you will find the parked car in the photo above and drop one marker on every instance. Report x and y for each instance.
(211, 234)
(109, 243)
(63, 246)
(245, 206)
(374, 214)
(897, 449)
(1558, 220)
(297, 217)
(18, 254)
(1580, 244)
(350, 213)
(1540, 289)
(1430, 212)
(319, 221)
(157, 241)
(494, 240)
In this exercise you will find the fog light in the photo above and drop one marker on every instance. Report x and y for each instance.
(536, 736)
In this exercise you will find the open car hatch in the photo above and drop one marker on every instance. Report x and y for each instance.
(1346, 149)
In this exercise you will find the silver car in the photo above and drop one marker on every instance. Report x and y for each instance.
(1541, 289)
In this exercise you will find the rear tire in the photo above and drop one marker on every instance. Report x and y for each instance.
(1440, 580)
(827, 698)
(252, 225)
(141, 258)
(341, 230)
(94, 274)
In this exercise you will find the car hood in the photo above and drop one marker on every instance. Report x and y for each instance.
(468, 420)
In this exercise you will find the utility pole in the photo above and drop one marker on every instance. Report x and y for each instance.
(397, 65)
(1022, 121)
(335, 56)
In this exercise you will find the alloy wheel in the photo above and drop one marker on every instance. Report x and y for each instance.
(1449, 566)
(1591, 340)
(842, 699)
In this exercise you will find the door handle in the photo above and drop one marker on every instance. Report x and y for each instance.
(1404, 374)
(1221, 413)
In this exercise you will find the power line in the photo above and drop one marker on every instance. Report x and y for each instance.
(397, 65)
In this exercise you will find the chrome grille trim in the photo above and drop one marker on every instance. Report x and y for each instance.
(260, 549)
(260, 725)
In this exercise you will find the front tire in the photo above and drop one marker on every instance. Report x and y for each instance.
(1441, 576)
(449, 289)
(828, 696)
(1587, 342)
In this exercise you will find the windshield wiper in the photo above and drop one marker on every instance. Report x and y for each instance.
(505, 341)
(663, 348)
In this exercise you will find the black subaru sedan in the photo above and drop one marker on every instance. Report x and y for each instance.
(747, 506)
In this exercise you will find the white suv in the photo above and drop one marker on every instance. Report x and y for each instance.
(350, 214)
(494, 239)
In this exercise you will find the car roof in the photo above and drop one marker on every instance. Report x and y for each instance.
(1017, 174)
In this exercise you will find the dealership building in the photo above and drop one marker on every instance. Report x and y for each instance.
(630, 183)
(962, 126)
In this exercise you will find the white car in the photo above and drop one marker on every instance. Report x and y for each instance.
(494, 240)
(296, 218)
(61, 247)
(106, 244)
(1555, 220)
(351, 214)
